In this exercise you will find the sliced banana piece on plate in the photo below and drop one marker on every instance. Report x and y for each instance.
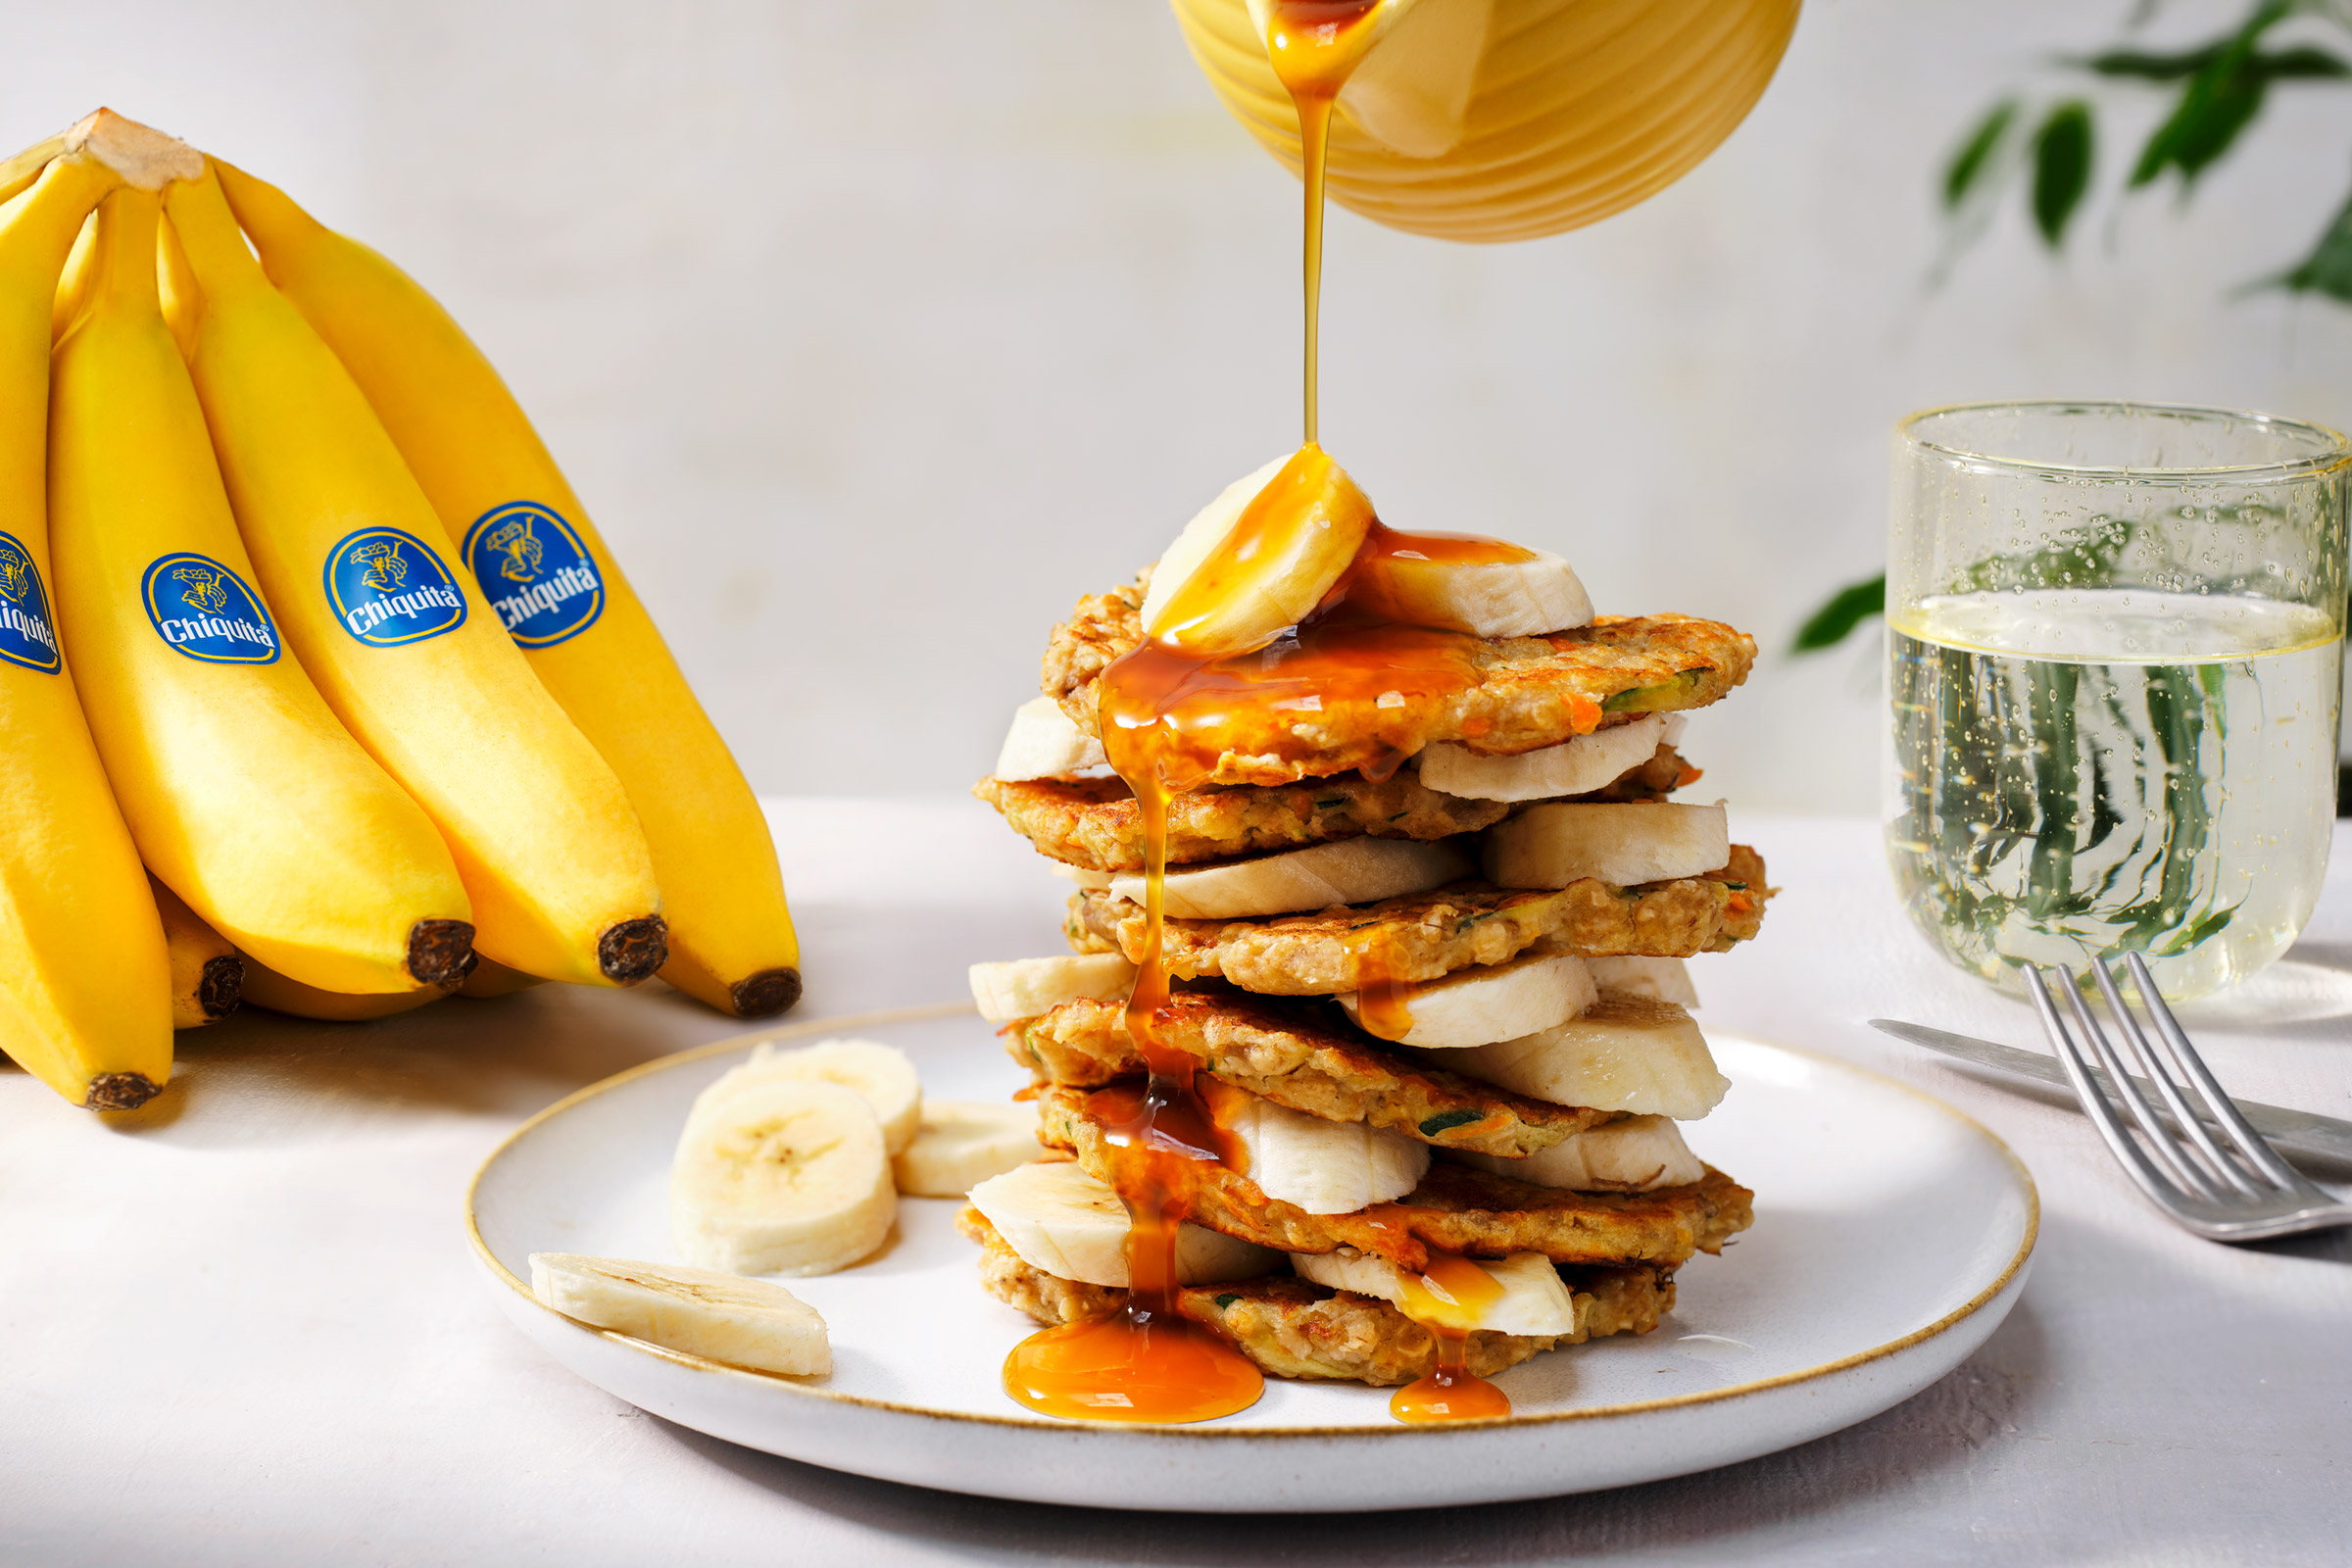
(719, 1317)
(784, 1177)
(881, 1073)
(1042, 743)
(1207, 529)
(1621, 844)
(1325, 1167)
(1573, 767)
(1623, 1054)
(1659, 979)
(1026, 988)
(1532, 1299)
(1270, 565)
(1479, 1005)
(1294, 881)
(962, 1143)
(1637, 1154)
(1073, 1226)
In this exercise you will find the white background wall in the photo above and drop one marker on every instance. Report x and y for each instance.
(874, 334)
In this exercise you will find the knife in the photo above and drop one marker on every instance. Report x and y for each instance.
(2295, 1131)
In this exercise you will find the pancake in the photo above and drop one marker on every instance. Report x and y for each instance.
(1424, 936)
(1287, 1052)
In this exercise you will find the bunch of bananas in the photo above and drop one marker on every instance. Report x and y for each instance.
(315, 679)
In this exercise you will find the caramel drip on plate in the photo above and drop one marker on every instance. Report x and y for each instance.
(1448, 1300)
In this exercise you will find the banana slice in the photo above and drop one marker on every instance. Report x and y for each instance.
(1624, 1053)
(1093, 881)
(880, 1073)
(784, 1177)
(1533, 1298)
(1325, 1167)
(1074, 1227)
(1572, 767)
(1636, 1155)
(1282, 552)
(1493, 1002)
(962, 1143)
(1042, 743)
(1025, 988)
(1659, 979)
(1207, 529)
(1621, 844)
(716, 1316)
(1349, 871)
(1526, 597)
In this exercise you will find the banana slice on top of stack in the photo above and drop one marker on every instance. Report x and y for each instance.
(1440, 1006)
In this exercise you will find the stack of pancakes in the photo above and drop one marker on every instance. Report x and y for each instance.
(1444, 989)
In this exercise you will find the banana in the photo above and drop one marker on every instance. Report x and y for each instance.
(1479, 1005)
(1098, 881)
(1325, 1167)
(1074, 1227)
(879, 1074)
(17, 173)
(748, 1323)
(1572, 767)
(542, 565)
(1205, 532)
(208, 978)
(1659, 979)
(1026, 988)
(72, 285)
(403, 646)
(1042, 743)
(1624, 1053)
(1525, 595)
(1530, 1298)
(1284, 550)
(264, 987)
(1638, 1155)
(1621, 844)
(782, 1178)
(243, 793)
(1317, 877)
(491, 978)
(961, 1142)
(85, 984)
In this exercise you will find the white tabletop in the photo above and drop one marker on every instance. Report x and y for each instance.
(243, 1326)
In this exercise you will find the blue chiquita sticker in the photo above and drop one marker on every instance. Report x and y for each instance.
(535, 573)
(28, 631)
(389, 588)
(205, 611)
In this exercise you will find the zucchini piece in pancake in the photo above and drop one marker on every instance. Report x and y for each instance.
(1286, 1052)
(1294, 1327)
(1456, 1209)
(1424, 936)
(1521, 692)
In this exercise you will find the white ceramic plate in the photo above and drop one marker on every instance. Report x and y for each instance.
(1892, 1237)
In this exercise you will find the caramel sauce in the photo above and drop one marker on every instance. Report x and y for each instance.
(1448, 1300)
(1171, 712)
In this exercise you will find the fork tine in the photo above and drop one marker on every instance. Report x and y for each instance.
(2193, 1067)
(2160, 1141)
(2136, 1044)
(2119, 1142)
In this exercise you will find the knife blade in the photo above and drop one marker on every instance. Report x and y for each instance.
(2299, 1132)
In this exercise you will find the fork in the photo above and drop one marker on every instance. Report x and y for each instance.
(2240, 1194)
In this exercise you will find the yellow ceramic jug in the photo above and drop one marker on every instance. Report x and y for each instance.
(1497, 119)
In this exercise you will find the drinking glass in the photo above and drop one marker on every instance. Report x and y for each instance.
(2115, 652)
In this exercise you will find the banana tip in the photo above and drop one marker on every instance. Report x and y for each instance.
(143, 156)
(765, 994)
(122, 1091)
(222, 987)
(630, 950)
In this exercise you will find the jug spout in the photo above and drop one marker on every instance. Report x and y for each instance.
(1412, 92)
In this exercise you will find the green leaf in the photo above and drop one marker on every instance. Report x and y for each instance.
(2063, 150)
(2328, 270)
(1446, 1122)
(1226, 1300)
(2142, 65)
(2217, 104)
(1969, 163)
(2303, 63)
(1847, 608)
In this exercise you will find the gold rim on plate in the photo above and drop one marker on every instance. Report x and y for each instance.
(868, 1021)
